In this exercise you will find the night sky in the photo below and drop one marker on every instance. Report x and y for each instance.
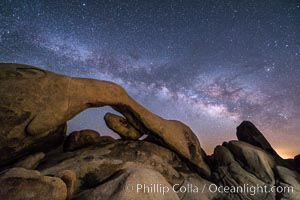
(210, 64)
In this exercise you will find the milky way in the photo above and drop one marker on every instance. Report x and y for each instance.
(210, 64)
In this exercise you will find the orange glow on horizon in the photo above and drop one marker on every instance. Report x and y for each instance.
(285, 153)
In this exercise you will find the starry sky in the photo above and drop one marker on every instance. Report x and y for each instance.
(210, 64)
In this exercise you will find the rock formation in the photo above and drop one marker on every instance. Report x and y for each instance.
(19, 183)
(46, 100)
(121, 127)
(38, 160)
(297, 161)
(80, 139)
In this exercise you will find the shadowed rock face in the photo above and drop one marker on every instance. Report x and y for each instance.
(247, 132)
(94, 164)
(15, 148)
(80, 139)
(46, 100)
(254, 160)
(131, 177)
(290, 179)
(30, 162)
(98, 167)
(231, 174)
(297, 161)
(30, 184)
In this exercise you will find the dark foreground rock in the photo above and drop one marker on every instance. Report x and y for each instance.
(80, 139)
(297, 161)
(37, 161)
(19, 183)
(12, 149)
(130, 178)
(290, 180)
(247, 132)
